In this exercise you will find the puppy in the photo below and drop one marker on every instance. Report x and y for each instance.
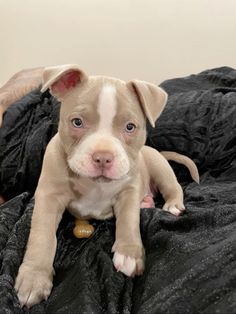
(97, 166)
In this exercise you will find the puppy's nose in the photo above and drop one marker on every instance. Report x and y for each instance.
(103, 159)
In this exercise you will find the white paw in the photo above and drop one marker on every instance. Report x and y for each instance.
(174, 207)
(129, 266)
(32, 285)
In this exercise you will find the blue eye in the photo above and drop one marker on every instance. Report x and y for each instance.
(77, 122)
(130, 127)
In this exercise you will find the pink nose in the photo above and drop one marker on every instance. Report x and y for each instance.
(103, 159)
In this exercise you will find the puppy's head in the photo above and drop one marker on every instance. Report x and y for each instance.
(102, 120)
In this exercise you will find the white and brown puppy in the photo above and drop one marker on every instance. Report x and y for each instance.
(97, 166)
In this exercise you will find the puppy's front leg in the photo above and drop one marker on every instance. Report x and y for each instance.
(128, 248)
(34, 279)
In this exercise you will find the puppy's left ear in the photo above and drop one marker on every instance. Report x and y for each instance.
(62, 79)
(151, 97)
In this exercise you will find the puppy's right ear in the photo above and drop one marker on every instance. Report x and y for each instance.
(151, 97)
(61, 79)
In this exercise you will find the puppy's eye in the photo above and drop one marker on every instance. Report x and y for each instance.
(130, 127)
(77, 122)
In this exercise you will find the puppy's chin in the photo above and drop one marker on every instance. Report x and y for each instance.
(101, 179)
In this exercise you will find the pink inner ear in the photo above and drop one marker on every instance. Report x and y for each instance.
(67, 81)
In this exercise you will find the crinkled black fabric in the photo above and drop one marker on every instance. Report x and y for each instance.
(27, 128)
(190, 260)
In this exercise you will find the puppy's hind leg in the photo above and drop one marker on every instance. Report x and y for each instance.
(164, 179)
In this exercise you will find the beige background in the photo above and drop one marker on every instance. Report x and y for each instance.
(147, 39)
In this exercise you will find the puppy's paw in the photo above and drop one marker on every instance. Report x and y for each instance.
(129, 259)
(32, 285)
(174, 207)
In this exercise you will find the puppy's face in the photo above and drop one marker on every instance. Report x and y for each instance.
(102, 127)
(102, 121)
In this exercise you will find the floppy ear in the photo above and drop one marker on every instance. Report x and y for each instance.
(61, 79)
(151, 97)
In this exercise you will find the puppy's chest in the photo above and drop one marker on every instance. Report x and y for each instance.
(96, 200)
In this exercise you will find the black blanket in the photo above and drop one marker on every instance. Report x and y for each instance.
(190, 260)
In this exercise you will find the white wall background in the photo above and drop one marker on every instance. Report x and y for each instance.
(146, 39)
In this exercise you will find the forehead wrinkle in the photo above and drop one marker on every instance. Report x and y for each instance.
(82, 108)
(127, 116)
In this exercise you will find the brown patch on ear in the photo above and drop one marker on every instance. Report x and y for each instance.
(151, 97)
(61, 79)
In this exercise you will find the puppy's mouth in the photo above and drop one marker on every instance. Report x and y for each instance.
(101, 179)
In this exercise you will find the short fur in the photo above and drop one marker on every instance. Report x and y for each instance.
(97, 170)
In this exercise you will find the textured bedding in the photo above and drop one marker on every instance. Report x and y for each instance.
(190, 260)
